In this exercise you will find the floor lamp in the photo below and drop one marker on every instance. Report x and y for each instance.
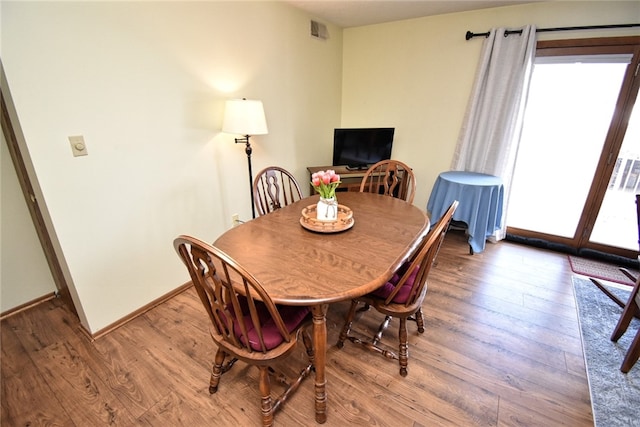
(245, 117)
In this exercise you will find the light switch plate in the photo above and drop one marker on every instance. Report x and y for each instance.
(78, 146)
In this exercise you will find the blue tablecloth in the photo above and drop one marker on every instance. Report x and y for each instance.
(481, 198)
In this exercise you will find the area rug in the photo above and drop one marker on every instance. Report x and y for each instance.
(599, 270)
(615, 397)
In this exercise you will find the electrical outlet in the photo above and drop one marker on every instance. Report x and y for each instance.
(235, 219)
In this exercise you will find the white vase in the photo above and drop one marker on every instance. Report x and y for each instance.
(327, 209)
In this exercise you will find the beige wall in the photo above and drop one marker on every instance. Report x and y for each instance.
(417, 74)
(145, 83)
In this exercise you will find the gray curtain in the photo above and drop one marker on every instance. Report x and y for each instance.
(490, 133)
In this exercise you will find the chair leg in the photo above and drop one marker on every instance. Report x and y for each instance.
(419, 320)
(403, 356)
(291, 385)
(347, 324)
(216, 371)
(607, 292)
(265, 396)
(630, 311)
(383, 326)
(628, 274)
(308, 345)
(632, 354)
(621, 327)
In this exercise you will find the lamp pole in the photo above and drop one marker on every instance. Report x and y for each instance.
(248, 150)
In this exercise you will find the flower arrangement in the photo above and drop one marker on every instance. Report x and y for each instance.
(325, 183)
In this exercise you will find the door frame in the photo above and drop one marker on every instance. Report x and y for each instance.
(624, 105)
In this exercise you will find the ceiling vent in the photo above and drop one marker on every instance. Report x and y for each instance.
(319, 30)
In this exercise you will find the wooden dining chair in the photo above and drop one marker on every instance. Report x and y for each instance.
(391, 178)
(273, 188)
(401, 296)
(631, 310)
(245, 323)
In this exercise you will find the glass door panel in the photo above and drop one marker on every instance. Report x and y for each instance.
(567, 118)
(616, 224)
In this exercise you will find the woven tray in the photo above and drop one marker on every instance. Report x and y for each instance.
(344, 222)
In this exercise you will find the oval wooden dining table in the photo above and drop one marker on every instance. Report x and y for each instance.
(297, 266)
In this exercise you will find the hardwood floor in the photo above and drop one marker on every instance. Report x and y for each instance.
(501, 348)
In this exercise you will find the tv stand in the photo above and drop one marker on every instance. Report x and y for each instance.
(350, 178)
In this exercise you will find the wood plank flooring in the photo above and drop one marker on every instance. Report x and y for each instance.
(501, 348)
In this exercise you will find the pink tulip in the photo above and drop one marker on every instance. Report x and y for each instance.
(325, 182)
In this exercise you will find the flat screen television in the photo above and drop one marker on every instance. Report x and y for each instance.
(360, 148)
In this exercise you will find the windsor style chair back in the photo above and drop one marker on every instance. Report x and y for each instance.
(391, 178)
(273, 188)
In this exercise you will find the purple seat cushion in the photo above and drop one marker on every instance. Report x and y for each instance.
(292, 316)
(403, 294)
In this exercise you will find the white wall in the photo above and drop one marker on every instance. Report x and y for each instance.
(417, 74)
(21, 253)
(145, 83)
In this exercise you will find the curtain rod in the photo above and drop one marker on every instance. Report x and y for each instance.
(471, 35)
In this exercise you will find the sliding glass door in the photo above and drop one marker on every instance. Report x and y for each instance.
(575, 181)
(617, 213)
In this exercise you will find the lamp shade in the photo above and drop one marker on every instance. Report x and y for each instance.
(244, 117)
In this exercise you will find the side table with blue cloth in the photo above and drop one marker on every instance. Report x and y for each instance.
(481, 198)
